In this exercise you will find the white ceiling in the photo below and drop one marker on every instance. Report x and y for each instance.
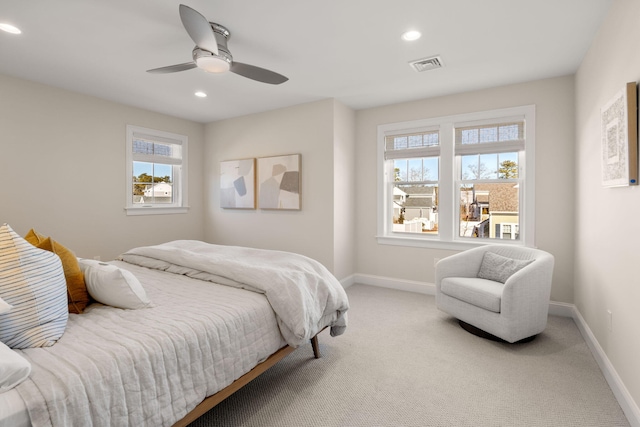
(349, 50)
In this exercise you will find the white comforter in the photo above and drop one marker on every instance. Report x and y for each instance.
(150, 367)
(305, 296)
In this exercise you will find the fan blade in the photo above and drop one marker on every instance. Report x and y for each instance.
(173, 68)
(199, 29)
(257, 73)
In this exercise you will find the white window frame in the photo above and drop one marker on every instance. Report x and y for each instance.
(179, 187)
(448, 224)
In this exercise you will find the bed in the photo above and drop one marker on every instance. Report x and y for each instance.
(212, 318)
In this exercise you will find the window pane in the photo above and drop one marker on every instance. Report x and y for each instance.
(400, 169)
(469, 136)
(431, 139)
(163, 171)
(142, 168)
(415, 208)
(490, 133)
(416, 169)
(489, 166)
(508, 165)
(152, 183)
(142, 147)
(166, 150)
(160, 192)
(412, 141)
(476, 166)
(142, 176)
(400, 142)
(509, 132)
(489, 211)
(415, 141)
(431, 169)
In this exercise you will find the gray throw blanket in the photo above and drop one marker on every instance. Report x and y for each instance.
(304, 295)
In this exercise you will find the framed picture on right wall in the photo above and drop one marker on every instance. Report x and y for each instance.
(619, 135)
(279, 182)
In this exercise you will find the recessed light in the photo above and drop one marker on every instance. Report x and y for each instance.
(411, 35)
(10, 28)
(200, 94)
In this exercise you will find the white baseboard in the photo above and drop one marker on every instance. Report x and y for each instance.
(626, 402)
(562, 309)
(399, 284)
(348, 281)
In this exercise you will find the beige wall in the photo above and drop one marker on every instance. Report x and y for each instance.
(554, 101)
(306, 129)
(344, 209)
(607, 231)
(62, 168)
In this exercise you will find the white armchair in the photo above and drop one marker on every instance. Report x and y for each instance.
(514, 310)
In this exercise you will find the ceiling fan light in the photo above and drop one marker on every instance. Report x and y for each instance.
(213, 64)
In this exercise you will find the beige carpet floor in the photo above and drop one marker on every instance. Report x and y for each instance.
(402, 362)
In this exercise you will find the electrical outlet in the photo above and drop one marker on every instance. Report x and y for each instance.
(610, 315)
(435, 261)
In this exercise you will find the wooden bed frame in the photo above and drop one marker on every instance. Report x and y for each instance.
(211, 401)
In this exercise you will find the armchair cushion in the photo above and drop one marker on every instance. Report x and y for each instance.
(499, 268)
(482, 293)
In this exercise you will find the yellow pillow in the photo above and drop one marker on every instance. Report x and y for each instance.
(77, 295)
(34, 237)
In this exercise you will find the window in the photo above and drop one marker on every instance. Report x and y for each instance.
(456, 181)
(156, 172)
(414, 188)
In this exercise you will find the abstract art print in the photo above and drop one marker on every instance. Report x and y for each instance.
(279, 181)
(620, 139)
(237, 184)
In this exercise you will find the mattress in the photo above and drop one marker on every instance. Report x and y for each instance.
(149, 366)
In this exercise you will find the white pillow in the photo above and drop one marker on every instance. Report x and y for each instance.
(113, 286)
(4, 307)
(32, 281)
(13, 368)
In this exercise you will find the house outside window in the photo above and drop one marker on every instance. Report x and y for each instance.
(458, 181)
(156, 172)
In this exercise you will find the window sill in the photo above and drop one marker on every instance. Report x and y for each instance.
(418, 242)
(155, 210)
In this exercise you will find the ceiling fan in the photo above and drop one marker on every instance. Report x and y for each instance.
(211, 52)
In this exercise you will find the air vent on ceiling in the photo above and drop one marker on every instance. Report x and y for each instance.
(426, 64)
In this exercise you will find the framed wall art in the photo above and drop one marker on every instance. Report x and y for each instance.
(619, 135)
(237, 184)
(279, 182)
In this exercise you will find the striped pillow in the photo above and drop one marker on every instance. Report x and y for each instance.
(32, 281)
